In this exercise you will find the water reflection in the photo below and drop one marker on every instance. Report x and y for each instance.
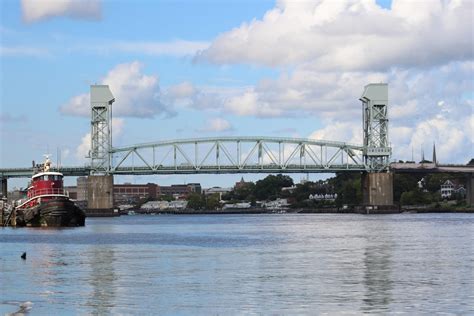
(378, 275)
(102, 278)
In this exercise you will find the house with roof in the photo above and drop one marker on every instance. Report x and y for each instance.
(451, 188)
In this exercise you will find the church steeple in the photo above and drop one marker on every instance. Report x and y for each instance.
(434, 154)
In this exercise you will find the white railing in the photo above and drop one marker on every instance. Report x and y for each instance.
(54, 191)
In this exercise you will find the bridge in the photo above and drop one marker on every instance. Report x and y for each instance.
(222, 155)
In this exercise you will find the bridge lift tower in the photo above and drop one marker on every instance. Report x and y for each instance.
(377, 182)
(101, 136)
(100, 184)
(375, 120)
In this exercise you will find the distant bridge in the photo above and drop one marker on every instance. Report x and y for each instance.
(430, 167)
(220, 155)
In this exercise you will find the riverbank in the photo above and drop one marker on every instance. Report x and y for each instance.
(356, 210)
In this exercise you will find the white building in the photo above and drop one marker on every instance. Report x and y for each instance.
(179, 204)
(242, 205)
(277, 204)
(156, 205)
(330, 197)
(449, 188)
(164, 205)
(217, 190)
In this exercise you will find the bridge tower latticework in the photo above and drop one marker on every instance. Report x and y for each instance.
(377, 149)
(101, 124)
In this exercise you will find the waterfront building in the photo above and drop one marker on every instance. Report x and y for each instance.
(241, 205)
(178, 205)
(289, 189)
(276, 204)
(195, 187)
(129, 192)
(217, 190)
(329, 197)
(241, 184)
(178, 191)
(450, 188)
(156, 205)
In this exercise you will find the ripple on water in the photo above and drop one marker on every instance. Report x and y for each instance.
(283, 264)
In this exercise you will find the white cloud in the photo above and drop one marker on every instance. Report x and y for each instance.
(217, 125)
(350, 35)
(249, 104)
(400, 111)
(418, 99)
(454, 140)
(425, 106)
(136, 94)
(349, 132)
(182, 90)
(34, 10)
(84, 147)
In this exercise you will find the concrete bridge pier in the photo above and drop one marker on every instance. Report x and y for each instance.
(4, 187)
(377, 189)
(100, 195)
(470, 189)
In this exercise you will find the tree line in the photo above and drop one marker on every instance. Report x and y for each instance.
(408, 189)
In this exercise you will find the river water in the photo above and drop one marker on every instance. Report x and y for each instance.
(233, 264)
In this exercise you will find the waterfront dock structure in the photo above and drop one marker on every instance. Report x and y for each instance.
(221, 155)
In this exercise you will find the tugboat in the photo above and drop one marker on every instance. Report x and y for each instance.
(47, 204)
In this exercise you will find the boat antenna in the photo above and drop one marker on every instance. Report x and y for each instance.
(58, 158)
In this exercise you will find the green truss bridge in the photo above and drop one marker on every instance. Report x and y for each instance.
(221, 155)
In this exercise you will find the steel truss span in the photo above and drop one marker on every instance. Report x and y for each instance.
(237, 155)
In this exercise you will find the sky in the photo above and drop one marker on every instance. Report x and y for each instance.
(186, 69)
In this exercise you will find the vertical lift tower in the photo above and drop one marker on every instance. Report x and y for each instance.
(100, 184)
(377, 182)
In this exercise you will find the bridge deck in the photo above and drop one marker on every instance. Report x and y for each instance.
(269, 168)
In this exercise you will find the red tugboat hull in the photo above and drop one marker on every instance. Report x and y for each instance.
(60, 212)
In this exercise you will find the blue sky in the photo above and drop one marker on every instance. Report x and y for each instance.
(263, 68)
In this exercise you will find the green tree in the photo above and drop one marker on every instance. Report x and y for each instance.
(212, 202)
(269, 188)
(403, 183)
(415, 197)
(196, 201)
(348, 188)
(243, 192)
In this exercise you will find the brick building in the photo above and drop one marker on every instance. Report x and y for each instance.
(176, 190)
(128, 191)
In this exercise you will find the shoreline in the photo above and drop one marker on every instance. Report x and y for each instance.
(358, 210)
